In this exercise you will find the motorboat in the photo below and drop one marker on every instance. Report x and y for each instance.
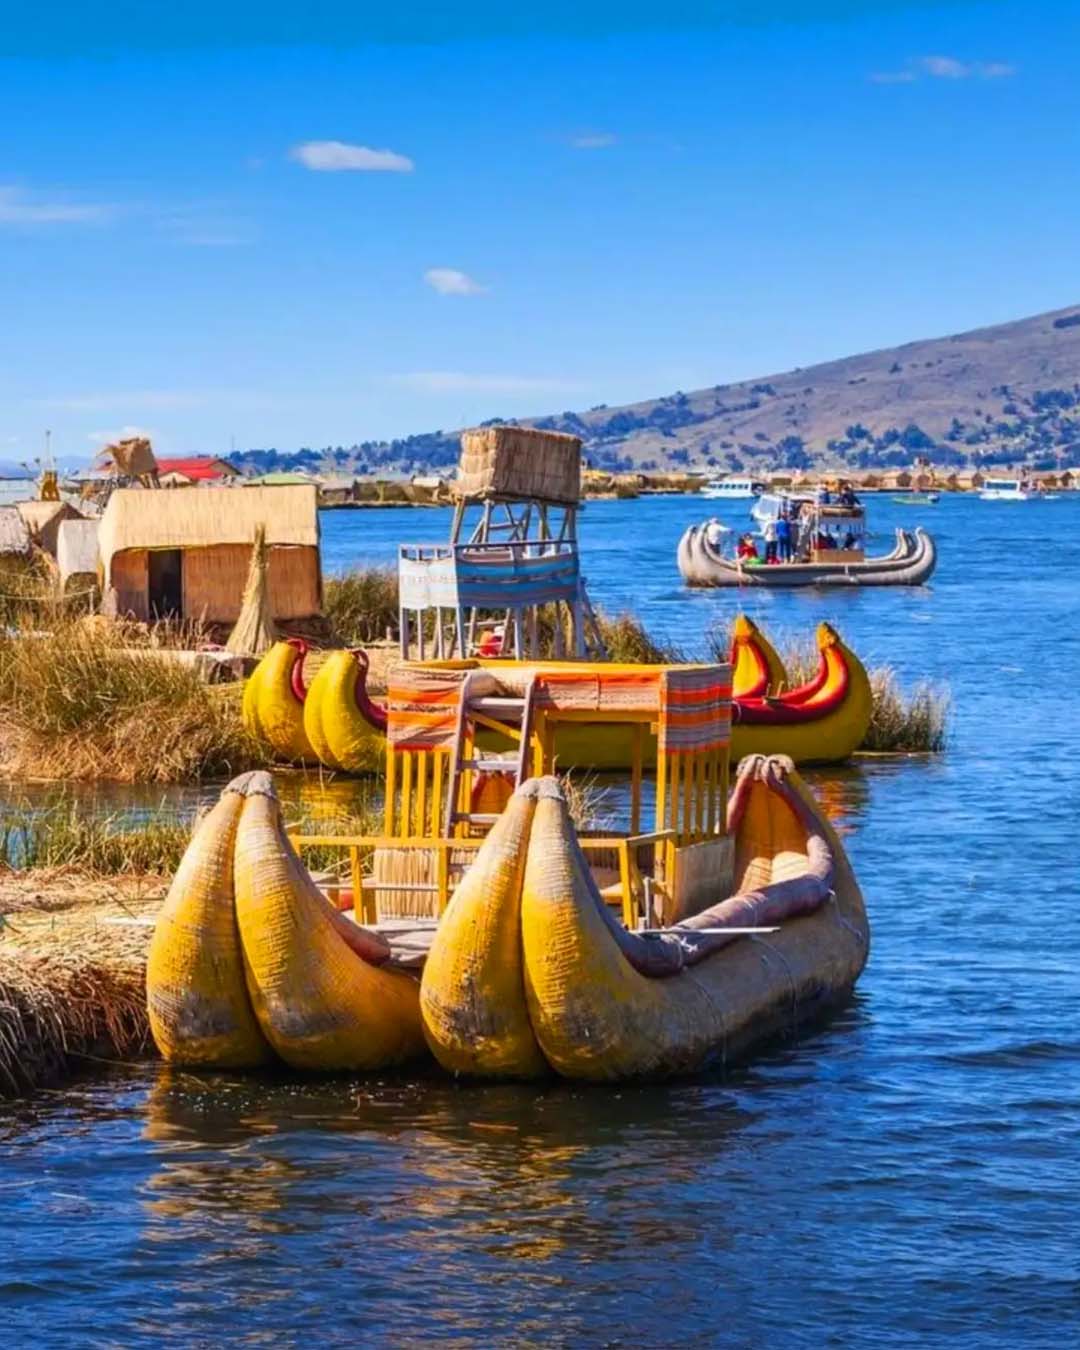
(1005, 490)
(734, 489)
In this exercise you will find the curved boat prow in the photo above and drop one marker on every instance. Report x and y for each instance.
(345, 726)
(822, 721)
(756, 666)
(274, 700)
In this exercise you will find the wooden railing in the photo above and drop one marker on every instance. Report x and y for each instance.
(633, 885)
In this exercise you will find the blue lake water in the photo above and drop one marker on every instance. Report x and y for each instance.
(905, 1174)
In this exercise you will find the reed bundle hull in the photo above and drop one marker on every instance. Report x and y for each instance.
(604, 1004)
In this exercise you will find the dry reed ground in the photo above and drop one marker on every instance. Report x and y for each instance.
(72, 973)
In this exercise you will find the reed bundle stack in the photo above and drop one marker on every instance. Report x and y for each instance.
(255, 631)
(519, 464)
(72, 984)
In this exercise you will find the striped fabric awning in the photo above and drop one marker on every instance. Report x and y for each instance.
(422, 707)
(695, 709)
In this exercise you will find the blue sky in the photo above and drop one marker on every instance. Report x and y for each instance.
(229, 223)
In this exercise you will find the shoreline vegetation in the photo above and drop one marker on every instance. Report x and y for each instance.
(598, 485)
(89, 700)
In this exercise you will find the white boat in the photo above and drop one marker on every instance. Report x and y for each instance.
(736, 489)
(1005, 490)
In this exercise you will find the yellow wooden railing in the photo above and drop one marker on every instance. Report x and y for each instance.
(364, 886)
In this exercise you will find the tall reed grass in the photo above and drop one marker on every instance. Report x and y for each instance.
(362, 606)
(92, 700)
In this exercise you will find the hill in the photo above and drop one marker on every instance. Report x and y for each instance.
(1009, 394)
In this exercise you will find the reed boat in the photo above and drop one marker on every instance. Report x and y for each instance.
(820, 722)
(543, 946)
(531, 971)
(911, 562)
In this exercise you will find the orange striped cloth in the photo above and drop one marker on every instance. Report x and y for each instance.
(422, 707)
(695, 709)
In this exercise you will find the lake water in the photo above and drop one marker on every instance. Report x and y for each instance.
(907, 1173)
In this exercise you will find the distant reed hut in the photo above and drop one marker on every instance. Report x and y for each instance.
(186, 555)
(43, 520)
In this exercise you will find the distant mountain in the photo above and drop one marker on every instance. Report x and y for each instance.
(1001, 395)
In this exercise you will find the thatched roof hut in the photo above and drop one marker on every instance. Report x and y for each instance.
(43, 520)
(77, 555)
(187, 554)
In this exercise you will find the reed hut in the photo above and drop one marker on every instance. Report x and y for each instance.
(43, 520)
(77, 556)
(186, 555)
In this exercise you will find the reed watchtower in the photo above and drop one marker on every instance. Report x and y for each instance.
(512, 553)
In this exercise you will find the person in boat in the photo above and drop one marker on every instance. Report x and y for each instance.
(783, 537)
(771, 539)
(747, 550)
(491, 643)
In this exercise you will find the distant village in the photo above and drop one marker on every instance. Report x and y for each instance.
(357, 491)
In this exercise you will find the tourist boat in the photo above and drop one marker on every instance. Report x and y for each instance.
(1005, 490)
(911, 562)
(250, 963)
(344, 729)
(735, 489)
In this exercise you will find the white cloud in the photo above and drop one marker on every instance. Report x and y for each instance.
(594, 140)
(19, 207)
(944, 68)
(120, 434)
(339, 156)
(459, 381)
(451, 281)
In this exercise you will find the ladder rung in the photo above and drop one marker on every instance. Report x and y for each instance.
(497, 703)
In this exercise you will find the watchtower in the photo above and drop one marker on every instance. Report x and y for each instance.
(512, 552)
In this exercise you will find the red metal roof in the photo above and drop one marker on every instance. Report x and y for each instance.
(199, 468)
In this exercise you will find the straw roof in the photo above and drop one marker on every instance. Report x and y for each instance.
(77, 548)
(14, 536)
(137, 519)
